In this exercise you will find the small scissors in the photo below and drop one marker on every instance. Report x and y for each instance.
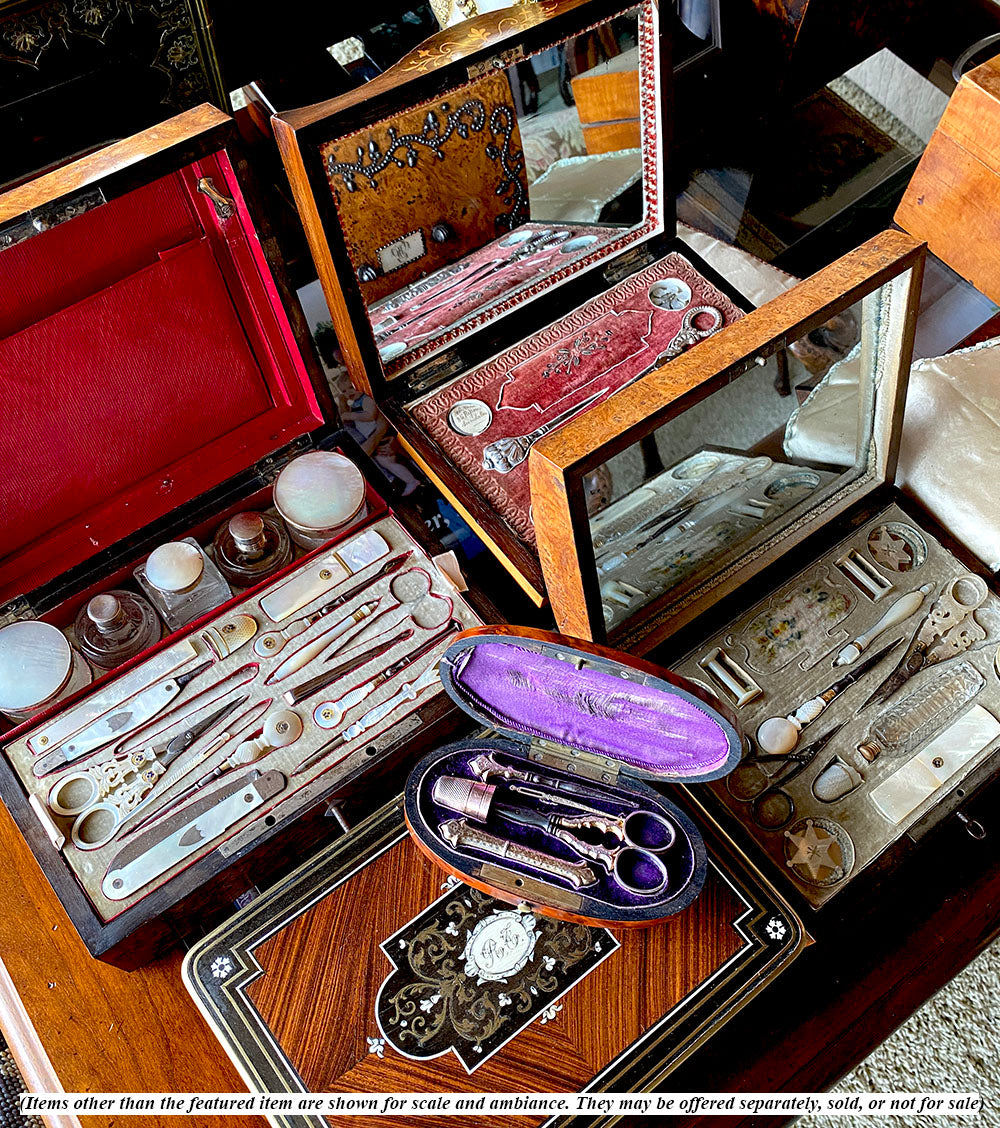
(101, 799)
(635, 863)
(771, 807)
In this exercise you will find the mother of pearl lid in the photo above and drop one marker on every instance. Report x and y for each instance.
(35, 661)
(174, 566)
(319, 490)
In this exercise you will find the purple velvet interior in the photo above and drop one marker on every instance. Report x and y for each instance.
(679, 859)
(666, 732)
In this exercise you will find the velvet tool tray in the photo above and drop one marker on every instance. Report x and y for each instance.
(587, 717)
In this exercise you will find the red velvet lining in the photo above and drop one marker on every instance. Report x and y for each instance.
(145, 357)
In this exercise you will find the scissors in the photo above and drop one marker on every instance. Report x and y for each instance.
(635, 863)
(771, 807)
(102, 796)
(953, 607)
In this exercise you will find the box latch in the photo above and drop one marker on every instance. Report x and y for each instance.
(225, 208)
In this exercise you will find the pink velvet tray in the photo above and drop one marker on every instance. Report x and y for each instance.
(574, 363)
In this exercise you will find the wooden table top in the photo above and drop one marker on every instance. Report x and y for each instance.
(878, 956)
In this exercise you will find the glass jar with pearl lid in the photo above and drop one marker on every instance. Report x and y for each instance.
(319, 494)
(38, 667)
(181, 582)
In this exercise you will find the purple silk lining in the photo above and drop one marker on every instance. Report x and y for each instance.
(654, 729)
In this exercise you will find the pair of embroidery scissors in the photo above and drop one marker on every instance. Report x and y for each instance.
(102, 796)
(771, 807)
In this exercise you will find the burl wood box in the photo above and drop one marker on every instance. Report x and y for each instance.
(156, 388)
(488, 955)
(953, 198)
(774, 560)
(492, 273)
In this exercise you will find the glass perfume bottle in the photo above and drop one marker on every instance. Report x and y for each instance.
(251, 547)
(181, 582)
(114, 627)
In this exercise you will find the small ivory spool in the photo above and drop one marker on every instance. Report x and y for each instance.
(317, 495)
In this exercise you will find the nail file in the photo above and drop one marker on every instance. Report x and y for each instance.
(331, 569)
(75, 720)
(169, 842)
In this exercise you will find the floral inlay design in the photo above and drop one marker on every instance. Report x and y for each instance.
(569, 356)
(795, 625)
(471, 973)
(221, 967)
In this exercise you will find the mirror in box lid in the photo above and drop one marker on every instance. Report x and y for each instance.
(458, 208)
(694, 492)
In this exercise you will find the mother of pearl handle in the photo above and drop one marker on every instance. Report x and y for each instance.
(899, 612)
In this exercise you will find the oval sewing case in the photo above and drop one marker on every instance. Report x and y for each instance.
(552, 806)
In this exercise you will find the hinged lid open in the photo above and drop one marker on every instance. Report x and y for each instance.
(708, 472)
(145, 352)
(445, 165)
(602, 710)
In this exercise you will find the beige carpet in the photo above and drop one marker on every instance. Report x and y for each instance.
(952, 1044)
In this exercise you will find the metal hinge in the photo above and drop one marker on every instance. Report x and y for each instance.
(585, 764)
(51, 215)
(225, 208)
(627, 263)
(16, 610)
(435, 372)
(497, 62)
(267, 469)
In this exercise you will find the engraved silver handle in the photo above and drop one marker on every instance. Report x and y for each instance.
(504, 454)
(458, 832)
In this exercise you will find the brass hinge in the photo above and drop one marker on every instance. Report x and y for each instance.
(16, 610)
(435, 372)
(586, 764)
(498, 62)
(627, 263)
(267, 469)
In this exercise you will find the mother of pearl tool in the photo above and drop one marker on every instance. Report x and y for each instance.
(409, 691)
(780, 734)
(329, 714)
(237, 728)
(771, 807)
(306, 689)
(952, 608)
(148, 703)
(272, 643)
(282, 728)
(329, 571)
(310, 650)
(907, 605)
(100, 796)
(201, 700)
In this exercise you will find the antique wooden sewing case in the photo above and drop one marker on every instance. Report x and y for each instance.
(451, 989)
(774, 561)
(558, 270)
(156, 388)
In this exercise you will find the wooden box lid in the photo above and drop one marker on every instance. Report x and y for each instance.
(427, 164)
(706, 471)
(148, 355)
(273, 982)
(953, 198)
